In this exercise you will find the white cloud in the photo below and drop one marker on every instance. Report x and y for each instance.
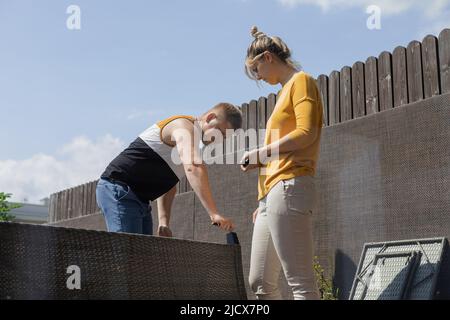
(432, 8)
(435, 8)
(435, 18)
(435, 27)
(80, 161)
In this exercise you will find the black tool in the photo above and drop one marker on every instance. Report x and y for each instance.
(246, 162)
(232, 238)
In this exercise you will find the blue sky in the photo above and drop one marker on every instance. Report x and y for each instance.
(70, 100)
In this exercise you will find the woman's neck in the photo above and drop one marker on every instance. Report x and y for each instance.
(286, 75)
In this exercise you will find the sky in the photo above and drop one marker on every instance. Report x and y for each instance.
(72, 99)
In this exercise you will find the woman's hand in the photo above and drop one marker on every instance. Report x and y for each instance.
(255, 214)
(164, 231)
(222, 222)
(250, 160)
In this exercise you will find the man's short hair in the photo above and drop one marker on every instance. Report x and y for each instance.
(232, 114)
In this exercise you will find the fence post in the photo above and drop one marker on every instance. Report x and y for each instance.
(385, 81)
(399, 76)
(371, 83)
(334, 92)
(444, 60)
(346, 94)
(358, 90)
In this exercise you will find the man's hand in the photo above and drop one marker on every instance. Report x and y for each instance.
(223, 223)
(164, 231)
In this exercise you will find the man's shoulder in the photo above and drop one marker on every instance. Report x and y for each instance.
(181, 123)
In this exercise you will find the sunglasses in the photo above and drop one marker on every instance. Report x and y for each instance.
(252, 65)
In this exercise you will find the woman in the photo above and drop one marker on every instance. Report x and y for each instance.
(282, 235)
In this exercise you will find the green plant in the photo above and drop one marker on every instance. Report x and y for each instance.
(6, 207)
(325, 284)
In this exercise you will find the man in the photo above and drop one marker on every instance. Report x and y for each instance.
(152, 165)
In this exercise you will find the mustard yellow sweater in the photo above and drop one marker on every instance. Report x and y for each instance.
(298, 114)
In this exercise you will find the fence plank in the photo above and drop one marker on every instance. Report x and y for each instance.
(57, 207)
(430, 66)
(65, 203)
(61, 209)
(228, 150)
(70, 203)
(84, 195)
(358, 90)
(61, 206)
(262, 112)
(322, 84)
(51, 209)
(82, 201)
(386, 93)
(244, 122)
(90, 208)
(86, 199)
(77, 201)
(262, 119)
(415, 74)
(271, 101)
(346, 94)
(334, 92)
(444, 60)
(252, 114)
(371, 83)
(244, 110)
(252, 120)
(225, 142)
(399, 76)
(79, 198)
(93, 197)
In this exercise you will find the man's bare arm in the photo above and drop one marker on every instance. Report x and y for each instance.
(165, 205)
(196, 171)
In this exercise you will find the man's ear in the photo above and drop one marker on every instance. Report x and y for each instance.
(211, 116)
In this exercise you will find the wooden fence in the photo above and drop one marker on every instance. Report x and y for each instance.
(74, 202)
(419, 71)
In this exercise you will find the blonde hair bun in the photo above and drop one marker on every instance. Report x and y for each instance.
(255, 33)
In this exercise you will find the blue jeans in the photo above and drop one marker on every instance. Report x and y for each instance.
(122, 209)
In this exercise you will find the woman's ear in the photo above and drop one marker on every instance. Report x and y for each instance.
(268, 57)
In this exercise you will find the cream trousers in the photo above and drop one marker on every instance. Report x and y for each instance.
(282, 239)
